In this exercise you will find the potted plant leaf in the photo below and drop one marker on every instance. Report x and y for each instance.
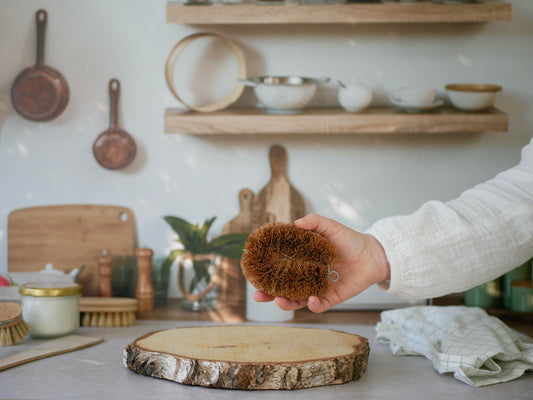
(198, 262)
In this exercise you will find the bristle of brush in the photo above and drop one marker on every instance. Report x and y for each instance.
(108, 319)
(283, 260)
(13, 329)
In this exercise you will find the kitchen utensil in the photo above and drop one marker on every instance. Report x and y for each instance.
(12, 327)
(354, 96)
(108, 311)
(48, 349)
(40, 93)
(284, 94)
(227, 100)
(249, 357)
(417, 108)
(105, 272)
(232, 285)
(278, 200)
(145, 289)
(472, 96)
(413, 96)
(114, 148)
(68, 235)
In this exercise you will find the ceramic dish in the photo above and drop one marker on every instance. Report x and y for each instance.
(284, 94)
(417, 108)
(472, 96)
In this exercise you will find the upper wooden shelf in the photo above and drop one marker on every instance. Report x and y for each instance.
(347, 13)
(388, 120)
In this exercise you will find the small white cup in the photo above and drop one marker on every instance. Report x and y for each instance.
(264, 312)
(414, 96)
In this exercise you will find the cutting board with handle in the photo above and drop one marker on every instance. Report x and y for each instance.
(249, 357)
(232, 285)
(278, 200)
(69, 236)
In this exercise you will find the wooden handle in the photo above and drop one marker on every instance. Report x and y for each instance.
(105, 270)
(114, 94)
(278, 161)
(41, 18)
(145, 289)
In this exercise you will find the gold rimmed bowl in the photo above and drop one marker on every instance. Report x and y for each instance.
(472, 96)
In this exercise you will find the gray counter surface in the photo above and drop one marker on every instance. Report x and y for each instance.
(98, 373)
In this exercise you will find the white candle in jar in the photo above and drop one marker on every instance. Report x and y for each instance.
(51, 309)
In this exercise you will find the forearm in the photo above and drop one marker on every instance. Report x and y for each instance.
(450, 247)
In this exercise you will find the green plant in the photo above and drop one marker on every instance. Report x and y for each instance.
(194, 239)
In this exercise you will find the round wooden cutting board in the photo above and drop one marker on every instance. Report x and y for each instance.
(249, 357)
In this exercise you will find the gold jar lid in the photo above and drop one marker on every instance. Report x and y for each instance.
(50, 289)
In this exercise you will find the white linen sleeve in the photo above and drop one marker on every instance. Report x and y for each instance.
(450, 247)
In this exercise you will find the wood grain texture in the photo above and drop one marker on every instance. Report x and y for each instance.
(376, 120)
(278, 201)
(48, 349)
(294, 13)
(249, 357)
(68, 236)
(231, 282)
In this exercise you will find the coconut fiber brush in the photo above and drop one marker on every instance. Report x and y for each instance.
(281, 259)
(12, 327)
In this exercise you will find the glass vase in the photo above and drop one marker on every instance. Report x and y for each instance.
(196, 281)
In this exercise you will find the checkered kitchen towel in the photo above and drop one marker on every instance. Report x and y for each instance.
(479, 349)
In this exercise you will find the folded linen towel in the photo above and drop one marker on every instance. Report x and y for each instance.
(479, 349)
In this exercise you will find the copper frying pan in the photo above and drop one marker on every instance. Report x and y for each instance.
(40, 93)
(114, 148)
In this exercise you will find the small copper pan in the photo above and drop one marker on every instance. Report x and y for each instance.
(114, 148)
(40, 93)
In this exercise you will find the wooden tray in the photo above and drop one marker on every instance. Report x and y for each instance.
(249, 357)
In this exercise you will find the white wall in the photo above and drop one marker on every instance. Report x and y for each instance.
(355, 179)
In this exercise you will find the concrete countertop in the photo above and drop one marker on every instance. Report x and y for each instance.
(98, 373)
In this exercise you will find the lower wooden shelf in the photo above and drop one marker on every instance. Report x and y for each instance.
(377, 120)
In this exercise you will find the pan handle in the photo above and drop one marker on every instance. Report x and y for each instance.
(114, 93)
(41, 16)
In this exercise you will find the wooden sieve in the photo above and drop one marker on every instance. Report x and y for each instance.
(235, 92)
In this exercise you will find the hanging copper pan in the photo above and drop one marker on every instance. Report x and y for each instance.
(114, 148)
(40, 93)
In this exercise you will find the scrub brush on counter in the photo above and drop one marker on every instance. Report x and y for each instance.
(12, 327)
(108, 311)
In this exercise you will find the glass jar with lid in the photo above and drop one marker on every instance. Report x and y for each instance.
(51, 309)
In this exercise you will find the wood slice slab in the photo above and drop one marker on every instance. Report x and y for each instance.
(249, 357)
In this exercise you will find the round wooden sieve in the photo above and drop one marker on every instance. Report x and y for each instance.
(114, 148)
(40, 93)
(235, 92)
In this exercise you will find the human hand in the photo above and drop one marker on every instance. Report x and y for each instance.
(360, 262)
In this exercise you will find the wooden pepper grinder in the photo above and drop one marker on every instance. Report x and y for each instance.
(145, 290)
(104, 271)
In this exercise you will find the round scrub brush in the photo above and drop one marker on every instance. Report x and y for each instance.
(12, 327)
(281, 259)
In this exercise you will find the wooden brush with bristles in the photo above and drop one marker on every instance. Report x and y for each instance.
(281, 259)
(12, 327)
(108, 311)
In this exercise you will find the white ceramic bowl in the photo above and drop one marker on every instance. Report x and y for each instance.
(284, 94)
(472, 96)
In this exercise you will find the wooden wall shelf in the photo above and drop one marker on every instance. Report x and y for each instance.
(379, 120)
(347, 13)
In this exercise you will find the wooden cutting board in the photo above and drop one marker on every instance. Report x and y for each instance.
(249, 357)
(278, 200)
(68, 236)
(231, 284)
